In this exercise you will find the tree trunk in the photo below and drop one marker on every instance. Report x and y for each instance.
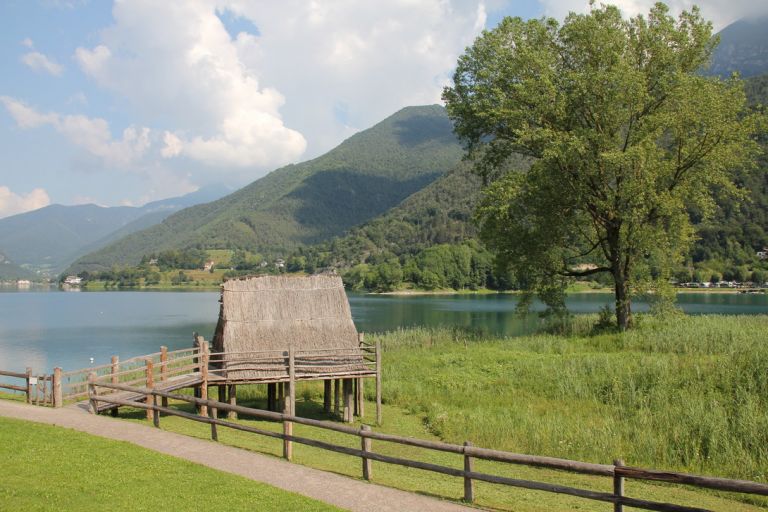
(623, 301)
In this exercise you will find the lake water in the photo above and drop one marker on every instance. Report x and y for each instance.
(47, 329)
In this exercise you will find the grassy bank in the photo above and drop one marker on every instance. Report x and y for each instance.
(51, 468)
(687, 393)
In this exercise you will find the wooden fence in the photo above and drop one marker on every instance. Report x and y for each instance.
(618, 472)
(60, 386)
(39, 389)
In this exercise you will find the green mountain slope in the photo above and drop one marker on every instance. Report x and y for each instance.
(743, 48)
(440, 214)
(50, 238)
(309, 202)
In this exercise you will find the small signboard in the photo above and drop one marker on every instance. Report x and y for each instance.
(33, 381)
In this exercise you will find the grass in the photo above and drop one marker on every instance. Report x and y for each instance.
(685, 393)
(52, 468)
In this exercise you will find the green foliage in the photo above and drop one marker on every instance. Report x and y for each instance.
(626, 139)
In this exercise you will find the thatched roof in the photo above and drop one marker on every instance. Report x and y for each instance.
(276, 313)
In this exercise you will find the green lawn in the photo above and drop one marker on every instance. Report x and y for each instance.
(52, 468)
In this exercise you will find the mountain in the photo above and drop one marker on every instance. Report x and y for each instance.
(50, 238)
(743, 48)
(307, 203)
(439, 216)
(9, 271)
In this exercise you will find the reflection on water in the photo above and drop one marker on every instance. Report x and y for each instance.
(46, 329)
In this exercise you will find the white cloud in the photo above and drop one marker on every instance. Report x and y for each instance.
(39, 62)
(720, 12)
(27, 42)
(12, 204)
(176, 62)
(91, 134)
(253, 101)
(373, 61)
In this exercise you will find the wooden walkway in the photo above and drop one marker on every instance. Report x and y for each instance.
(341, 491)
(172, 384)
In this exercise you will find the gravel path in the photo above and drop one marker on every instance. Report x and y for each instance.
(344, 492)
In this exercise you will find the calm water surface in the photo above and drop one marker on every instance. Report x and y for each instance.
(47, 329)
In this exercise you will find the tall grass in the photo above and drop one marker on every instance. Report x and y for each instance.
(685, 393)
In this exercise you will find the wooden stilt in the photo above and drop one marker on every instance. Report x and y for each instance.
(355, 397)
(280, 396)
(327, 396)
(232, 392)
(272, 396)
(222, 393)
(361, 397)
(349, 405)
(336, 396)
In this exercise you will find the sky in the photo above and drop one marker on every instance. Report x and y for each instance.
(129, 101)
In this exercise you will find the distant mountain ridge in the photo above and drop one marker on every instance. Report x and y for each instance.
(50, 238)
(306, 203)
(743, 48)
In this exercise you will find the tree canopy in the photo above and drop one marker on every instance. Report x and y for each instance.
(626, 136)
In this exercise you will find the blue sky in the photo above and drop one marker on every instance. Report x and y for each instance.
(131, 101)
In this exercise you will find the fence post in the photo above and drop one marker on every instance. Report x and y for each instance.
(204, 374)
(155, 412)
(214, 431)
(149, 370)
(56, 388)
(39, 385)
(618, 487)
(292, 381)
(469, 489)
(29, 385)
(163, 363)
(92, 392)
(287, 431)
(114, 369)
(365, 444)
(378, 382)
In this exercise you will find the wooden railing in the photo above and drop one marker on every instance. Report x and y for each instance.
(131, 371)
(617, 471)
(38, 389)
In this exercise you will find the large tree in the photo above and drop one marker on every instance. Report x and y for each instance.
(625, 136)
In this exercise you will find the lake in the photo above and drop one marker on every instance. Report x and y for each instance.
(47, 329)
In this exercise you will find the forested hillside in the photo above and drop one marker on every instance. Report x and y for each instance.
(309, 202)
(430, 240)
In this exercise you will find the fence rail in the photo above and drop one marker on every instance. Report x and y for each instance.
(617, 471)
(39, 389)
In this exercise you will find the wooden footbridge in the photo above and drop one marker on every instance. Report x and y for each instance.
(342, 371)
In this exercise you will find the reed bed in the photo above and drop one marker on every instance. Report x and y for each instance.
(681, 393)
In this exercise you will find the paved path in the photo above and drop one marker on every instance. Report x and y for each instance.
(344, 492)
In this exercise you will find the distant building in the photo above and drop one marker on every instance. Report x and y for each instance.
(23, 283)
(763, 254)
(73, 281)
(209, 265)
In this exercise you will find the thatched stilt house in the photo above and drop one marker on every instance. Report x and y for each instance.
(279, 330)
